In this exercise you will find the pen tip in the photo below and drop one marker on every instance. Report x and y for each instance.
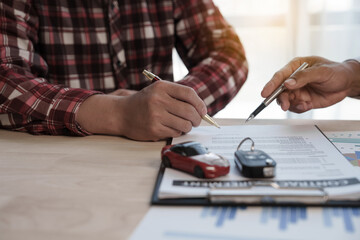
(208, 119)
(216, 124)
(249, 118)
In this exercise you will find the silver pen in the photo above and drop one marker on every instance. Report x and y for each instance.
(275, 94)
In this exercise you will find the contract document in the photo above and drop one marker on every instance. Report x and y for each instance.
(308, 164)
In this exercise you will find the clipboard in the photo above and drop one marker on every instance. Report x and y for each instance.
(278, 196)
(219, 197)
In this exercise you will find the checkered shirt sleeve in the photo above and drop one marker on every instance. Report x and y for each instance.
(212, 52)
(27, 101)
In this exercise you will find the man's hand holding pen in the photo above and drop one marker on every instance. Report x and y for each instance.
(159, 111)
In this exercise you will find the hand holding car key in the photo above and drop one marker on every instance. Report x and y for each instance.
(254, 163)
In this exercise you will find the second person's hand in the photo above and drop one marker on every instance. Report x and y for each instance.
(322, 84)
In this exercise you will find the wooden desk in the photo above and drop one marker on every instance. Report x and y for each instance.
(97, 187)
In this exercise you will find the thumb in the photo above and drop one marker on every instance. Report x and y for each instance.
(302, 78)
(291, 83)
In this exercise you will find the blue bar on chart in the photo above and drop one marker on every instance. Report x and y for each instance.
(221, 213)
(285, 215)
(346, 213)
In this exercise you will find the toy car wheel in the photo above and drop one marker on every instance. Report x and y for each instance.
(166, 162)
(198, 172)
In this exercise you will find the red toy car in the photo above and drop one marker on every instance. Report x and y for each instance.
(194, 158)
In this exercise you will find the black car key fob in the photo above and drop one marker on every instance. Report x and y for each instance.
(254, 163)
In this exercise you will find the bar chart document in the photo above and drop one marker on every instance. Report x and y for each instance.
(249, 223)
(305, 159)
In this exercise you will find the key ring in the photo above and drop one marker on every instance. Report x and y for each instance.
(244, 140)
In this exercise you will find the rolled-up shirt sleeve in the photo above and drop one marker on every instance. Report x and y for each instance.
(212, 52)
(28, 102)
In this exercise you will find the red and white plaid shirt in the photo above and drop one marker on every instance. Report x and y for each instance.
(56, 53)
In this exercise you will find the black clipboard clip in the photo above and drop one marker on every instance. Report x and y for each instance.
(268, 192)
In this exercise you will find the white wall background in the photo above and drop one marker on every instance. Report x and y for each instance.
(275, 31)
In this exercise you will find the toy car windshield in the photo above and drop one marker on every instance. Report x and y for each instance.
(190, 149)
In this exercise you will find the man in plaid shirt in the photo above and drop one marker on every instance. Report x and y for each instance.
(74, 67)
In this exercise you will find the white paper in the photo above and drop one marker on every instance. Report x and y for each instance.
(250, 223)
(303, 154)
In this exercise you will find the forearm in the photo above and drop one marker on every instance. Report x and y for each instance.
(100, 114)
(354, 69)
